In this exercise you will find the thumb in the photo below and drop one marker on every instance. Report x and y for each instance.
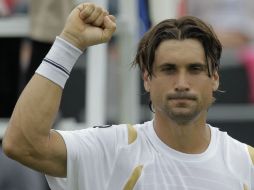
(109, 27)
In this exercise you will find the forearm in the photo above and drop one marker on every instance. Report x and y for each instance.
(41, 99)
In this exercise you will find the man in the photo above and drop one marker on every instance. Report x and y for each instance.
(176, 150)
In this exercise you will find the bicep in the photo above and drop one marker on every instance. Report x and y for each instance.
(51, 158)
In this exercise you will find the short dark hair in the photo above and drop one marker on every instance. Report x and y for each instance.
(187, 27)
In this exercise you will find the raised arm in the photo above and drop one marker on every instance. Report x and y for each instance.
(29, 138)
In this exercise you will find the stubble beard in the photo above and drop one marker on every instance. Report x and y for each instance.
(182, 115)
(182, 118)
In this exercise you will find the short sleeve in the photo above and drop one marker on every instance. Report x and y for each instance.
(90, 157)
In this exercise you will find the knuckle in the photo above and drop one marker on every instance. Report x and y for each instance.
(99, 9)
(91, 5)
(89, 8)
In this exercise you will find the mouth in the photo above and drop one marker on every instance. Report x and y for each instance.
(182, 97)
(181, 102)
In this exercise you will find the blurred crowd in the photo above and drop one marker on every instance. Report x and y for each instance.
(46, 19)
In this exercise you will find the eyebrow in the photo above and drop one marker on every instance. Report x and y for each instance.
(164, 65)
(204, 66)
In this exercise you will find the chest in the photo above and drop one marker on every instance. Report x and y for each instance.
(150, 170)
(170, 174)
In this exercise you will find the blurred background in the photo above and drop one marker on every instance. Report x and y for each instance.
(103, 87)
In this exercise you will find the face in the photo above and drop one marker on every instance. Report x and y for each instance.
(181, 89)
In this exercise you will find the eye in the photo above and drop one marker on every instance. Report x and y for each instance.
(196, 68)
(169, 69)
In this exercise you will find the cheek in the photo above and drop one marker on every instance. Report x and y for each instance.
(207, 93)
(155, 92)
(158, 88)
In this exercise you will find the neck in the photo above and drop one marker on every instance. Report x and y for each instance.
(191, 138)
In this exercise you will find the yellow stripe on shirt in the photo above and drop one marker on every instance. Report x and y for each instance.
(251, 152)
(132, 134)
(133, 178)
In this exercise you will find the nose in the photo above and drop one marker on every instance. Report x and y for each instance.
(182, 83)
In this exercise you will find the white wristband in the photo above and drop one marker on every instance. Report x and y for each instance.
(59, 61)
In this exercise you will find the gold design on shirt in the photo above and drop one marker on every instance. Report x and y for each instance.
(132, 134)
(133, 178)
(251, 152)
(245, 187)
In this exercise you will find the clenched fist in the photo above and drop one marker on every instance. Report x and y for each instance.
(87, 25)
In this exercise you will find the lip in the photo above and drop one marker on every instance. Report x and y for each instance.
(181, 102)
(182, 96)
(181, 99)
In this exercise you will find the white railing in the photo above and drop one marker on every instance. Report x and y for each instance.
(14, 26)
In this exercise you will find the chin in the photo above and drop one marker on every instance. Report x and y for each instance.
(183, 116)
(183, 119)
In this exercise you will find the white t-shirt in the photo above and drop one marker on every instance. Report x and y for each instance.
(133, 157)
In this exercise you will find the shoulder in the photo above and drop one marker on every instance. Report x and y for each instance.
(98, 131)
(232, 147)
(226, 141)
(103, 135)
(235, 147)
(238, 156)
(127, 132)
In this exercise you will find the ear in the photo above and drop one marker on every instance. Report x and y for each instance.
(146, 79)
(216, 81)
